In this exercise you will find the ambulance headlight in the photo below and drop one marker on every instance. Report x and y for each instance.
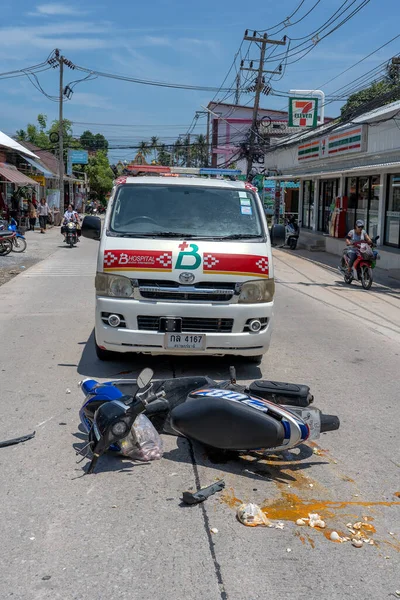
(116, 286)
(255, 292)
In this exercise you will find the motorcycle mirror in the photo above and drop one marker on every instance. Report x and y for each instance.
(91, 228)
(144, 378)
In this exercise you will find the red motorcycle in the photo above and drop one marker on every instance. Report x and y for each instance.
(362, 266)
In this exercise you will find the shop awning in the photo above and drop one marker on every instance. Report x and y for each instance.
(40, 168)
(12, 174)
(388, 166)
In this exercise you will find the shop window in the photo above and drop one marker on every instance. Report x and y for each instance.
(363, 202)
(328, 193)
(308, 204)
(392, 213)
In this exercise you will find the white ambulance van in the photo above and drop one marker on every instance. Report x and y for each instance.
(184, 267)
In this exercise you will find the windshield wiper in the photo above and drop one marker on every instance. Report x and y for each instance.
(240, 236)
(178, 234)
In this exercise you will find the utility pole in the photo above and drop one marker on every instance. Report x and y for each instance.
(237, 93)
(61, 134)
(262, 43)
(188, 156)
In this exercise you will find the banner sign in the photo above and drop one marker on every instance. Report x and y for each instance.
(78, 157)
(341, 143)
(303, 112)
(39, 178)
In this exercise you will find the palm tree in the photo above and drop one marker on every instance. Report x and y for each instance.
(200, 151)
(154, 142)
(144, 149)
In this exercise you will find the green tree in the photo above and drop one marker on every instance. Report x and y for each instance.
(390, 83)
(200, 151)
(92, 142)
(100, 175)
(163, 156)
(154, 142)
(144, 149)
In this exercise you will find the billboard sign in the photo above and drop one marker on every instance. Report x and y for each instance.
(303, 112)
(78, 157)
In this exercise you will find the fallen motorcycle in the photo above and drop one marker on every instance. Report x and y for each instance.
(266, 416)
(362, 266)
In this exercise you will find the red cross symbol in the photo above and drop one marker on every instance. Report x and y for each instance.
(183, 246)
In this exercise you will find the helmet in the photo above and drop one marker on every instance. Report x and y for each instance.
(360, 223)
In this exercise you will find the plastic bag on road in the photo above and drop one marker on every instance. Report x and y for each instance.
(251, 515)
(143, 441)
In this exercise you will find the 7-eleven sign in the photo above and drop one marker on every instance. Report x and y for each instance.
(303, 112)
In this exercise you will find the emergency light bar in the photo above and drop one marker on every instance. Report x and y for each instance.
(158, 169)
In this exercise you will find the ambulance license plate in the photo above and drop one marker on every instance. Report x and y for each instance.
(184, 341)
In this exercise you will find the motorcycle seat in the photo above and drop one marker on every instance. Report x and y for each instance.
(6, 233)
(227, 425)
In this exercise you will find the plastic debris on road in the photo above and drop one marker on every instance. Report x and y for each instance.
(67, 391)
(214, 530)
(251, 515)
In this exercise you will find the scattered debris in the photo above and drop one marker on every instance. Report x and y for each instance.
(32, 538)
(357, 543)
(172, 474)
(311, 485)
(313, 520)
(113, 506)
(67, 391)
(335, 537)
(214, 530)
(62, 423)
(288, 549)
(397, 592)
(203, 493)
(19, 440)
(46, 577)
(251, 515)
(279, 526)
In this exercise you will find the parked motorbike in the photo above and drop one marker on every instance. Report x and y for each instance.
(266, 416)
(19, 241)
(71, 234)
(363, 265)
(292, 232)
(6, 242)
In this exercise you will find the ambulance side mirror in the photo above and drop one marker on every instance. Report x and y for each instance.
(277, 233)
(91, 228)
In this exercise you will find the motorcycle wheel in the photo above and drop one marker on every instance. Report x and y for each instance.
(348, 278)
(366, 277)
(5, 247)
(19, 245)
(71, 243)
(293, 243)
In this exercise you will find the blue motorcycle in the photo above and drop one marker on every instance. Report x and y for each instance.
(19, 241)
(263, 417)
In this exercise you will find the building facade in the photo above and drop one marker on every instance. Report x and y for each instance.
(355, 167)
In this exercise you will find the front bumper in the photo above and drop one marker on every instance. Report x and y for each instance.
(131, 339)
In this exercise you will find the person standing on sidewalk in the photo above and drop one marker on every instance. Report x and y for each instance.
(32, 216)
(43, 213)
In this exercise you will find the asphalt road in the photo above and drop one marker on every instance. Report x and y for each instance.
(122, 532)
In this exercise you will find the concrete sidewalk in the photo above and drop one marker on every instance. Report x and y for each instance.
(390, 279)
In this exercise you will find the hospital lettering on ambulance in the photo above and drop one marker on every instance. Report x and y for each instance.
(138, 260)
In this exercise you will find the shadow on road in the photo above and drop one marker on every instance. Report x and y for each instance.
(129, 365)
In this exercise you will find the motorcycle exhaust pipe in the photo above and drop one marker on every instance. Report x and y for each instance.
(329, 423)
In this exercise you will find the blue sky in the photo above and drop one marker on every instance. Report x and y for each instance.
(178, 41)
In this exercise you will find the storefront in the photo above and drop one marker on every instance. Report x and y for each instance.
(392, 211)
(352, 172)
(16, 190)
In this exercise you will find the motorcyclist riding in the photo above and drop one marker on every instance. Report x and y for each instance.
(70, 215)
(358, 234)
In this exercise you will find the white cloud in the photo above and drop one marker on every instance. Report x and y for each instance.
(55, 9)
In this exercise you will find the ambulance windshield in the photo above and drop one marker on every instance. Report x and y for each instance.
(185, 210)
